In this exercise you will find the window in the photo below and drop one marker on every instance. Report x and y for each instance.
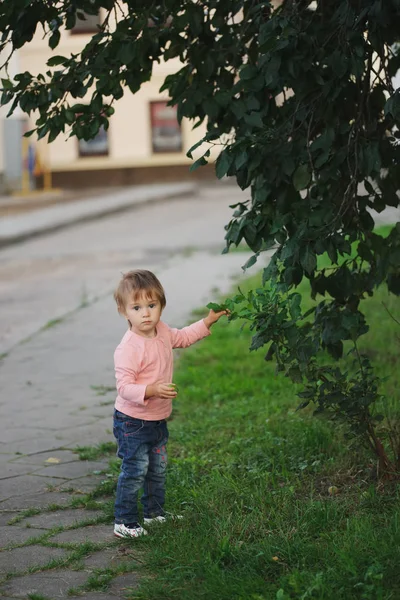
(166, 135)
(89, 24)
(97, 146)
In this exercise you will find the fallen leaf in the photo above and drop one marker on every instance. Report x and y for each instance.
(53, 460)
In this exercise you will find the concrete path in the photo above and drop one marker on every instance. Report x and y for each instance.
(59, 328)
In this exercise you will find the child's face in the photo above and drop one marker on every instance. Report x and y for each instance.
(144, 313)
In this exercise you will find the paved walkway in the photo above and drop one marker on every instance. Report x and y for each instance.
(57, 394)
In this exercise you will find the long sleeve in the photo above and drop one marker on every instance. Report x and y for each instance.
(182, 338)
(127, 363)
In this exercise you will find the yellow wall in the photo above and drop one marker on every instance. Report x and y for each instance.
(129, 135)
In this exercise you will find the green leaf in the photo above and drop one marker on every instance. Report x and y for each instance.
(294, 306)
(238, 108)
(54, 39)
(56, 60)
(308, 260)
(216, 307)
(241, 159)
(392, 105)
(7, 84)
(222, 164)
(254, 119)
(249, 263)
(301, 177)
(293, 275)
(248, 72)
(393, 283)
(196, 145)
(295, 375)
(336, 349)
(200, 161)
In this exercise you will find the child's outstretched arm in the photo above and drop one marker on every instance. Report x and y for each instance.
(182, 338)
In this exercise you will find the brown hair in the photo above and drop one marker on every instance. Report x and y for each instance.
(135, 283)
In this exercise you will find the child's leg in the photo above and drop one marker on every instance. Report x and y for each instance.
(133, 448)
(154, 484)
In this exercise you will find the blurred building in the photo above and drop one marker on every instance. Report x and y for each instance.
(144, 142)
(14, 149)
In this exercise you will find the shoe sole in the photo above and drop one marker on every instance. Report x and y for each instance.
(129, 537)
(171, 519)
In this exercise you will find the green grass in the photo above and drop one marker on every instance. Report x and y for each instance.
(95, 452)
(252, 477)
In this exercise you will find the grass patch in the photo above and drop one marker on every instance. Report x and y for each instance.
(277, 504)
(101, 579)
(28, 512)
(95, 452)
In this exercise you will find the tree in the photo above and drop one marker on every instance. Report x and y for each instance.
(300, 98)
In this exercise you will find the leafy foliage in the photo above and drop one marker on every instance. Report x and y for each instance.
(301, 101)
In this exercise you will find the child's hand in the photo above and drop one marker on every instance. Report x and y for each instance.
(214, 316)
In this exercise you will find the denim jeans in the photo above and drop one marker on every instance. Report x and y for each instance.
(142, 445)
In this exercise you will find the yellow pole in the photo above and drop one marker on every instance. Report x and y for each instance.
(46, 168)
(25, 182)
(47, 179)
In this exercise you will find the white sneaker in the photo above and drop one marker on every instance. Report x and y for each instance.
(162, 519)
(126, 531)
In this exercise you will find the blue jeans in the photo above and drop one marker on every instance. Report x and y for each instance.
(142, 445)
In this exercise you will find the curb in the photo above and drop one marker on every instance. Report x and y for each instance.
(19, 228)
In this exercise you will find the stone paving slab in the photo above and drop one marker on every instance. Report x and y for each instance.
(21, 559)
(8, 469)
(20, 434)
(13, 534)
(51, 584)
(109, 557)
(5, 517)
(54, 423)
(73, 470)
(92, 434)
(35, 500)
(64, 456)
(40, 444)
(19, 486)
(83, 485)
(122, 584)
(92, 533)
(58, 518)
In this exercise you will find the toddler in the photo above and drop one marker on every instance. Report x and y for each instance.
(143, 370)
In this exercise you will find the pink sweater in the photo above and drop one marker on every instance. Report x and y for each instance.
(141, 361)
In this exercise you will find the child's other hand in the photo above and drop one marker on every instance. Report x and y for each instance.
(165, 390)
